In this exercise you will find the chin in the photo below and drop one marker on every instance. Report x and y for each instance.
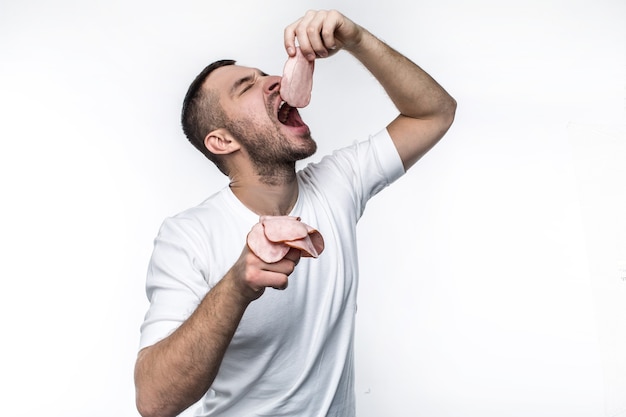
(311, 146)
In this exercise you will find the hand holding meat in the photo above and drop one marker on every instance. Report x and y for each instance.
(274, 247)
(321, 34)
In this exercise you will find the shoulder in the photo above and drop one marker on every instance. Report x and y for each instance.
(196, 221)
(377, 154)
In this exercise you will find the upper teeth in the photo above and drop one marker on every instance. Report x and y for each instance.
(282, 115)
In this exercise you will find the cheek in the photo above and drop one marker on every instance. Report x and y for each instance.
(246, 106)
(255, 113)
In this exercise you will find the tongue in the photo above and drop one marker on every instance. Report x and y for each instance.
(293, 118)
(297, 81)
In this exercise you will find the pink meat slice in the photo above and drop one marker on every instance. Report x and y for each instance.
(274, 236)
(284, 228)
(297, 81)
(264, 248)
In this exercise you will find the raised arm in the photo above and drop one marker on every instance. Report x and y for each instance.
(426, 109)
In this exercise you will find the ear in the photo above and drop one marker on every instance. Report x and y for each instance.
(220, 142)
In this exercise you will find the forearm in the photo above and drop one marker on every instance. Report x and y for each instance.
(175, 372)
(410, 88)
(426, 109)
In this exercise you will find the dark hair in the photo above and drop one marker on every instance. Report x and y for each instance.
(202, 112)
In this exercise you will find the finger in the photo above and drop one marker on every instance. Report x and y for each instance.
(330, 26)
(291, 33)
(264, 275)
(285, 266)
(294, 255)
(281, 284)
(289, 36)
(302, 31)
(314, 29)
(256, 274)
(275, 280)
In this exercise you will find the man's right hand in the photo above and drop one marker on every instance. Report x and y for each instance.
(251, 275)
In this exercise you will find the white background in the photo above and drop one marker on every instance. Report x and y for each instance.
(478, 294)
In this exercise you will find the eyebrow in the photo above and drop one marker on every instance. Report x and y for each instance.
(245, 80)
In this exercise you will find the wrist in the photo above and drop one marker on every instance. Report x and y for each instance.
(362, 41)
(239, 291)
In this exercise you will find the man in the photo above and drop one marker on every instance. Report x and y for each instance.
(217, 328)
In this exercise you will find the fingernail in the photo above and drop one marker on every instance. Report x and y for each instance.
(290, 50)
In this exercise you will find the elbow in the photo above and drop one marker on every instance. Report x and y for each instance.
(149, 406)
(155, 396)
(445, 117)
(147, 399)
(149, 411)
(449, 112)
(145, 403)
(146, 407)
(145, 410)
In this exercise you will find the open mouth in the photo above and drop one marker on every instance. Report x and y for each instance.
(288, 115)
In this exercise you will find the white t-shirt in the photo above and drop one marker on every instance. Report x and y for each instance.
(292, 354)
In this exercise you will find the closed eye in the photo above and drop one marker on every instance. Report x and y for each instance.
(247, 81)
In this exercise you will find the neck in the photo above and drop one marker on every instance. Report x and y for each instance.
(275, 197)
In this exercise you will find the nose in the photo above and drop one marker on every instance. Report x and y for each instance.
(271, 83)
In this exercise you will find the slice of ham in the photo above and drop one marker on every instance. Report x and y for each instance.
(273, 236)
(297, 81)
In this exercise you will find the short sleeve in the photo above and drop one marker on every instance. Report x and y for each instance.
(351, 176)
(388, 157)
(176, 279)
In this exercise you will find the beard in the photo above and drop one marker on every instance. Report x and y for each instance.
(271, 152)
